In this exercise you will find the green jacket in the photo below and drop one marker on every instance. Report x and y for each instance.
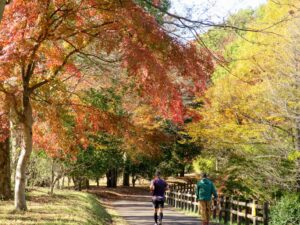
(205, 189)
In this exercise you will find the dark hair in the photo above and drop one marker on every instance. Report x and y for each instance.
(204, 175)
(157, 173)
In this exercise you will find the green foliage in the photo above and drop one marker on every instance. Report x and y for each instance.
(141, 166)
(157, 13)
(102, 154)
(201, 164)
(179, 153)
(286, 211)
(107, 100)
(39, 169)
(221, 39)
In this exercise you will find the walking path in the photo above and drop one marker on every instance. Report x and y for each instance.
(134, 205)
(140, 212)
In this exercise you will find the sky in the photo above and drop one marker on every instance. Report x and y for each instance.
(218, 10)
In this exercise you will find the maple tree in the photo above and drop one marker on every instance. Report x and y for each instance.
(39, 42)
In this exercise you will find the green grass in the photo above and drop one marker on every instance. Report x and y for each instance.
(65, 207)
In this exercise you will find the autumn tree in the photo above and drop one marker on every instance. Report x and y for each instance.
(40, 39)
(248, 122)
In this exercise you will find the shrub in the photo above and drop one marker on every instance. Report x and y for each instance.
(286, 211)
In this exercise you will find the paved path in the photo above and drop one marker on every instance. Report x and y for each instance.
(141, 213)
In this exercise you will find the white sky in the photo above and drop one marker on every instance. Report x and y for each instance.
(217, 9)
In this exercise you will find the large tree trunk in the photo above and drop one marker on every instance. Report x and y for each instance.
(26, 149)
(126, 177)
(112, 178)
(5, 184)
(15, 137)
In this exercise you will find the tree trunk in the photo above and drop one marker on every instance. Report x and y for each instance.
(15, 137)
(26, 149)
(58, 183)
(126, 177)
(112, 178)
(5, 182)
(80, 184)
(87, 183)
(133, 179)
(182, 171)
(115, 178)
(97, 181)
(63, 182)
(133, 182)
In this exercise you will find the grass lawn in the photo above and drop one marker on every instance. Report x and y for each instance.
(65, 207)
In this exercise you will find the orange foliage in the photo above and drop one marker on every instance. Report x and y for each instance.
(39, 40)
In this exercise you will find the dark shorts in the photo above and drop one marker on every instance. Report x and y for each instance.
(158, 203)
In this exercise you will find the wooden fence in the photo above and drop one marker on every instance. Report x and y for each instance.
(225, 209)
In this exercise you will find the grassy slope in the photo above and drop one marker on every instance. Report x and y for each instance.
(65, 207)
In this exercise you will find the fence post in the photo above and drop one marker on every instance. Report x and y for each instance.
(221, 208)
(254, 203)
(246, 213)
(214, 208)
(231, 213)
(266, 213)
(238, 209)
(226, 208)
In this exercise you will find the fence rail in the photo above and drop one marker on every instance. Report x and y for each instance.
(225, 209)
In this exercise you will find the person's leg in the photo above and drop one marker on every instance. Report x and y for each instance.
(161, 211)
(155, 216)
(203, 212)
(208, 211)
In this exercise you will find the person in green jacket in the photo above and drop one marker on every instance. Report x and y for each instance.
(204, 191)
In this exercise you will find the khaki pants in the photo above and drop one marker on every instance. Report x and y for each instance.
(205, 210)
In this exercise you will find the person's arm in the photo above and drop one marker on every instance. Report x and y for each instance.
(167, 187)
(152, 187)
(214, 190)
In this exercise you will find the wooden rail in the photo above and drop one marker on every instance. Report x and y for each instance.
(225, 209)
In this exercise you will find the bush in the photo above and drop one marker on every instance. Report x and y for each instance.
(286, 211)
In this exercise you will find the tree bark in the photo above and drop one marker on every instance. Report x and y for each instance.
(182, 171)
(126, 177)
(87, 183)
(112, 178)
(133, 179)
(63, 183)
(26, 149)
(5, 182)
(97, 181)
